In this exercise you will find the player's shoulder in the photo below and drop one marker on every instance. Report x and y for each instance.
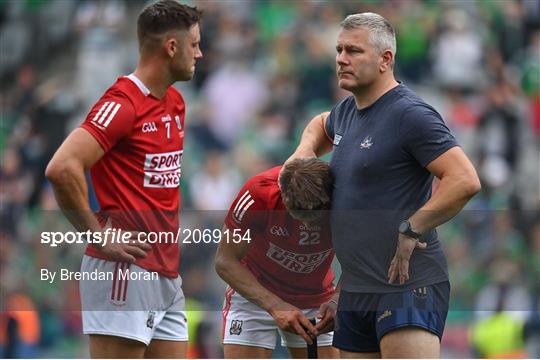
(125, 92)
(115, 103)
(258, 195)
(264, 182)
(263, 186)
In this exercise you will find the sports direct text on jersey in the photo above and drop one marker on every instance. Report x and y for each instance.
(163, 170)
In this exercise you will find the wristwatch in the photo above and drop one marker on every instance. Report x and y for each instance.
(405, 229)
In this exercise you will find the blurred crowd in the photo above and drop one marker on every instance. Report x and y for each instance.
(268, 67)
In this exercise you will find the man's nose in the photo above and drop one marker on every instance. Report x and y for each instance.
(341, 59)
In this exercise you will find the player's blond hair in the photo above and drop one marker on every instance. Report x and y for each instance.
(306, 188)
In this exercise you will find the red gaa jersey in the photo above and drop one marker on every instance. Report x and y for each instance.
(287, 257)
(137, 181)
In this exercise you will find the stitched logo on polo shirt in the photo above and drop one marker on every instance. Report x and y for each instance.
(366, 143)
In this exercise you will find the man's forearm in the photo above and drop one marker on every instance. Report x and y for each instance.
(314, 141)
(337, 291)
(243, 281)
(450, 197)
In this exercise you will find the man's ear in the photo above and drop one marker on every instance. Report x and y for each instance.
(171, 46)
(387, 60)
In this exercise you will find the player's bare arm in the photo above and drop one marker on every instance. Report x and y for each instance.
(230, 269)
(458, 184)
(314, 142)
(327, 312)
(66, 172)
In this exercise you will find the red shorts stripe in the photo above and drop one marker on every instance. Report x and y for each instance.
(126, 283)
(120, 283)
(228, 296)
(115, 277)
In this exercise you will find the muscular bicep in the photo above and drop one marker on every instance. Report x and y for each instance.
(66, 173)
(320, 129)
(79, 147)
(453, 163)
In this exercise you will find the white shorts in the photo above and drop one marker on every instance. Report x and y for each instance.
(245, 323)
(131, 302)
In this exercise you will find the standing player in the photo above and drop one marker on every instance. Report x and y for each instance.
(132, 141)
(387, 146)
(283, 275)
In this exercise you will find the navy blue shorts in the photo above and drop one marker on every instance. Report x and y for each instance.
(363, 319)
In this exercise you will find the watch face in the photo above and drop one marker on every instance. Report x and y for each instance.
(403, 227)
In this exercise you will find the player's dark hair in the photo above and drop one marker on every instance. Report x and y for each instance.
(306, 188)
(165, 15)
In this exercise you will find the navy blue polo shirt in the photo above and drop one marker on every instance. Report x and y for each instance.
(379, 163)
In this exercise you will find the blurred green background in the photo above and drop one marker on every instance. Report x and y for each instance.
(268, 67)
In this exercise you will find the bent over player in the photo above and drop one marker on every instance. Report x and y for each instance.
(283, 275)
(132, 141)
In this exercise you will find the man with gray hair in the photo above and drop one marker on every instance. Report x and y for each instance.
(387, 144)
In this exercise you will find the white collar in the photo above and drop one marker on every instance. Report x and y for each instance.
(139, 84)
